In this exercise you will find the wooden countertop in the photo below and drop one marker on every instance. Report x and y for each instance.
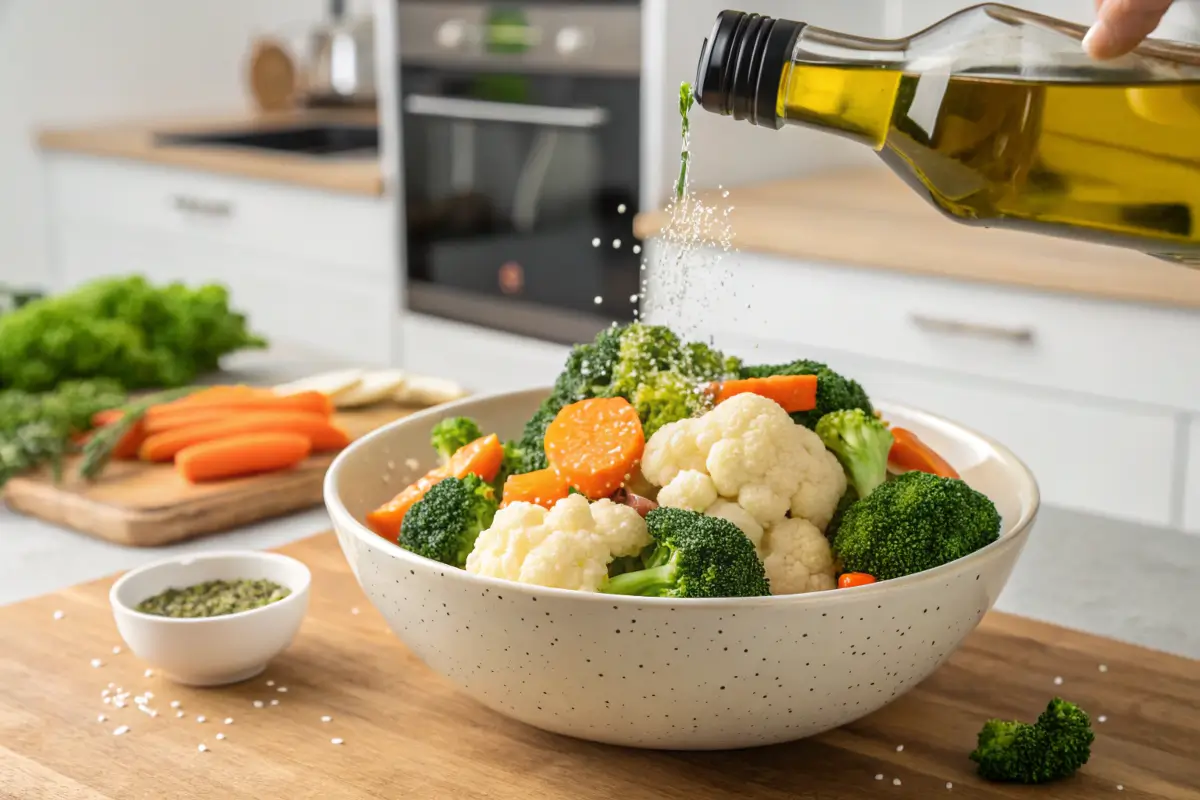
(137, 141)
(408, 733)
(868, 217)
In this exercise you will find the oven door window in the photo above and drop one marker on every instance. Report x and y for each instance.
(521, 192)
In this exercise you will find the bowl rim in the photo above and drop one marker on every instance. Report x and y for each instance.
(296, 596)
(344, 520)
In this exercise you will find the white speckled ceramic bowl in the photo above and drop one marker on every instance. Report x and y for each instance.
(661, 673)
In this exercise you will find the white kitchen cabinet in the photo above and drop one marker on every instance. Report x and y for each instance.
(1065, 382)
(1191, 479)
(308, 267)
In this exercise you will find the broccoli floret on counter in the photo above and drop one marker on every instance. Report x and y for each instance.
(694, 556)
(834, 392)
(914, 523)
(662, 377)
(453, 433)
(444, 524)
(1054, 747)
(861, 442)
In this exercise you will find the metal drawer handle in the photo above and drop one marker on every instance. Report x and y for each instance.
(421, 105)
(983, 331)
(208, 208)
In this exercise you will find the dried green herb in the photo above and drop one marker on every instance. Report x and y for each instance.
(214, 598)
(687, 99)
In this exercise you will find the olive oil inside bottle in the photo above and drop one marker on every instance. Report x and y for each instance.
(1114, 163)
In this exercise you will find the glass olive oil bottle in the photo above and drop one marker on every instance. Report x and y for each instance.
(995, 114)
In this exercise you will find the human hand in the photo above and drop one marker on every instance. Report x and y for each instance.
(1121, 25)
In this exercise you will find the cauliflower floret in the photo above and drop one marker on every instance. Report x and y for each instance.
(690, 489)
(567, 547)
(740, 517)
(797, 558)
(755, 455)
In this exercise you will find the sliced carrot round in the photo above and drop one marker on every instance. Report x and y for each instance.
(909, 453)
(594, 445)
(545, 487)
(848, 580)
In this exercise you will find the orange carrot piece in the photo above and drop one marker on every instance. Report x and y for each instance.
(238, 456)
(192, 416)
(542, 488)
(909, 453)
(794, 392)
(312, 402)
(131, 442)
(482, 457)
(107, 417)
(320, 432)
(387, 519)
(848, 580)
(594, 445)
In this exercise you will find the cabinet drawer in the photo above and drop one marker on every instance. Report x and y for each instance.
(1115, 350)
(1094, 456)
(345, 317)
(345, 231)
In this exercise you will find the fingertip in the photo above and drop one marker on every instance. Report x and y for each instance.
(1099, 42)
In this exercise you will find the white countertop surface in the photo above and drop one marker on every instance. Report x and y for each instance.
(1117, 579)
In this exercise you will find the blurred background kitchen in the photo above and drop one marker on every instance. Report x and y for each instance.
(462, 189)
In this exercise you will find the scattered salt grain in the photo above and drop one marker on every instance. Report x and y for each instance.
(281, 689)
(725, 193)
(270, 683)
(633, 298)
(220, 736)
(949, 785)
(895, 781)
(149, 673)
(598, 300)
(178, 714)
(326, 718)
(274, 702)
(1120, 787)
(596, 242)
(101, 718)
(108, 701)
(112, 685)
(59, 615)
(116, 649)
(1104, 667)
(1058, 681)
(336, 740)
(121, 730)
(354, 611)
(1102, 718)
(637, 248)
(621, 208)
(145, 709)
(175, 704)
(97, 663)
(149, 695)
(616, 244)
(105, 692)
(879, 777)
(229, 720)
(258, 703)
(140, 699)
(899, 748)
(203, 748)
(200, 718)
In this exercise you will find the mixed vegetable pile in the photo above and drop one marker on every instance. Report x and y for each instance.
(658, 467)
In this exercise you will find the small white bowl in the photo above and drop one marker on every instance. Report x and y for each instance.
(211, 651)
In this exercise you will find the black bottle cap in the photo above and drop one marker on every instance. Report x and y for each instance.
(742, 64)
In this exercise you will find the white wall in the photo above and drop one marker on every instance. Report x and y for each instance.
(724, 151)
(917, 14)
(83, 61)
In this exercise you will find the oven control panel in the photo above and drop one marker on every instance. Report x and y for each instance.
(585, 37)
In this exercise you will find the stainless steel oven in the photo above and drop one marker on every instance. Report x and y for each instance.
(521, 163)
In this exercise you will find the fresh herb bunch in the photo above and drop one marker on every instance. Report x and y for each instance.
(122, 328)
(36, 429)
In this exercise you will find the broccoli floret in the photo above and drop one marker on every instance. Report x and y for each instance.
(662, 377)
(914, 523)
(444, 524)
(452, 433)
(694, 556)
(834, 392)
(861, 442)
(1054, 747)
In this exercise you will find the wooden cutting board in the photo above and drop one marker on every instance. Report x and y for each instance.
(147, 505)
(409, 734)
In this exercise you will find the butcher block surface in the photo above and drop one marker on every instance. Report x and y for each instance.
(406, 733)
(147, 505)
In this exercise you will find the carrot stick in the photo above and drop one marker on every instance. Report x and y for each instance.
(794, 392)
(594, 445)
(313, 402)
(131, 442)
(909, 453)
(482, 457)
(321, 434)
(192, 416)
(236, 456)
(108, 417)
(542, 488)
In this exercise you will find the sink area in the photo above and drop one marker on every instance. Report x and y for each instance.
(312, 140)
